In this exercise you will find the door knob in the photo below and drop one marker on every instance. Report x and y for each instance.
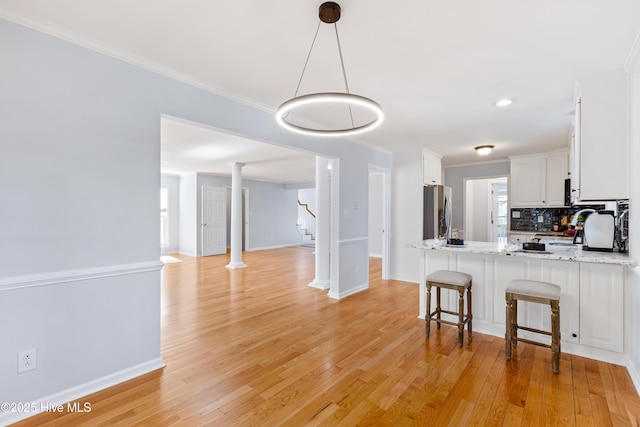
(204, 225)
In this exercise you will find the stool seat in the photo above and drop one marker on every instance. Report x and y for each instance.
(533, 288)
(454, 278)
(537, 292)
(456, 281)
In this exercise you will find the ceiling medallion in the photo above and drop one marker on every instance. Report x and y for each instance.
(329, 13)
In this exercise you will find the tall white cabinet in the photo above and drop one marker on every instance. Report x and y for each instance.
(600, 166)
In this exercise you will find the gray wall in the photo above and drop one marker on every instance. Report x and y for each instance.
(79, 182)
(454, 177)
(272, 213)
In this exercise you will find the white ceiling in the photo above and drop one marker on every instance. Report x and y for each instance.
(435, 67)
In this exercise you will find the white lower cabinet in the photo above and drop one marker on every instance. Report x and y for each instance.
(565, 274)
(591, 301)
(602, 306)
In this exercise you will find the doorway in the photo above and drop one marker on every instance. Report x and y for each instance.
(486, 209)
(378, 214)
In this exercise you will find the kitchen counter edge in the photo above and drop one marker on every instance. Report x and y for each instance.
(501, 249)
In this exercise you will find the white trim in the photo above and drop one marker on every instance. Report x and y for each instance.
(459, 165)
(633, 373)
(265, 248)
(633, 54)
(386, 220)
(185, 253)
(353, 241)
(53, 278)
(352, 291)
(320, 284)
(127, 57)
(77, 392)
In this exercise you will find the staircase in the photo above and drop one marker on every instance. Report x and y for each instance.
(306, 225)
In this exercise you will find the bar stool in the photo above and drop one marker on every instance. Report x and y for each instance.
(458, 282)
(539, 292)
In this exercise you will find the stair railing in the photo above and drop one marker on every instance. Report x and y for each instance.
(306, 220)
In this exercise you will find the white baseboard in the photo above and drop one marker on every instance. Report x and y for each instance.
(264, 248)
(633, 373)
(75, 393)
(191, 254)
(351, 291)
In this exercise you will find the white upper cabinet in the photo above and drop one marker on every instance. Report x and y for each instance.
(601, 149)
(557, 171)
(431, 168)
(538, 180)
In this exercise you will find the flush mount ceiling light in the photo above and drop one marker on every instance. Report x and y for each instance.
(330, 14)
(483, 150)
(504, 102)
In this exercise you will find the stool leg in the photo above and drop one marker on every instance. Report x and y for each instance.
(507, 335)
(438, 309)
(469, 314)
(428, 315)
(460, 317)
(514, 324)
(555, 336)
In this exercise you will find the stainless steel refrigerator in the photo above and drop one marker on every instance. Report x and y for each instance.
(437, 212)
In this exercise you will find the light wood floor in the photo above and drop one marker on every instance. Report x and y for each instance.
(258, 347)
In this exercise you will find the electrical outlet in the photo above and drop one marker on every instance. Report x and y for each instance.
(27, 360)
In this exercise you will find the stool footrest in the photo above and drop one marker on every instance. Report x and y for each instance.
(537, 331)
(466, 317)
(531, 342)
(447, 322)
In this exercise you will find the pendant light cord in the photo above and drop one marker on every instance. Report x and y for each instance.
(307, 61)
(344, 73)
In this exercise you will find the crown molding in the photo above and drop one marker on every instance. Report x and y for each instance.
(121, 55)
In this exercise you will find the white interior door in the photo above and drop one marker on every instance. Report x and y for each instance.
(214, 220)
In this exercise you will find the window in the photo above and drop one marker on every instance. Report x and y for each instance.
(164, 216)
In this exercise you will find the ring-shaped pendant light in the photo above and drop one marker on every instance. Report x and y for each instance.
(329, 97)
(329, 13)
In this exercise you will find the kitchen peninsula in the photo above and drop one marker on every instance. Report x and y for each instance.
(594, 305)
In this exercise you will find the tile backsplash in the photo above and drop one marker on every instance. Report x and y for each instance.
(544, 219)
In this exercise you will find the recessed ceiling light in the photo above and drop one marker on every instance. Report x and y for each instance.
(504, 102)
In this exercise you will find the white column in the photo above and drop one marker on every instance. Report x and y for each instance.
(236, 216)
(323, 224)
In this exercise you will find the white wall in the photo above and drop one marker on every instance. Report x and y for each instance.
(406, 214)
(476, 207)
(188, 215)
(634, 223)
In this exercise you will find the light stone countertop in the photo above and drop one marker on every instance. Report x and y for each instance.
(563, 253)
